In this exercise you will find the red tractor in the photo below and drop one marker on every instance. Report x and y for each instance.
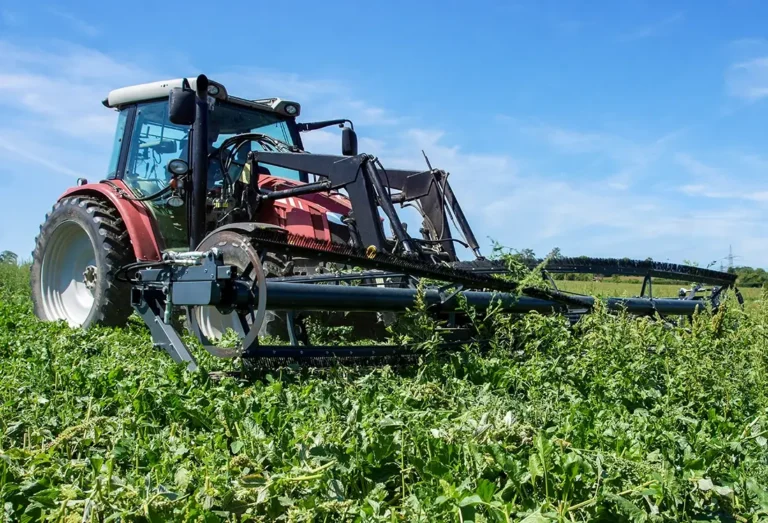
(148, 204)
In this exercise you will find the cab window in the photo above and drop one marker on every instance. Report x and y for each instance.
(227, 120)
(154, 142)
(122, 118)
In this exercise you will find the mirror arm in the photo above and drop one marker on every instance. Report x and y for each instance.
(313, 126)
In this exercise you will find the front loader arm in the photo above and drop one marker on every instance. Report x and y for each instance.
(363, 183)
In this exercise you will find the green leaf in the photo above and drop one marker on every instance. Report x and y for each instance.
(725, 492)
(470, 501)
(182, 479)
(485, 489)
(627, 508)
(705, 484)
(236, 446)
(534, 467)
(536, 517)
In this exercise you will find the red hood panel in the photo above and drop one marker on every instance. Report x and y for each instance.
(322, 201)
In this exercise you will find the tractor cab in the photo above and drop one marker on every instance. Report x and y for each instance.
(146, 140)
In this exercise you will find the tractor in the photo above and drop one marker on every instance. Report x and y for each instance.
(142, 207)
(211, 205)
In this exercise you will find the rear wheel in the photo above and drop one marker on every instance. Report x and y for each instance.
(82, 243)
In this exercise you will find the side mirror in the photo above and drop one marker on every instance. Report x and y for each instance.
(348, 142)
(181, 105)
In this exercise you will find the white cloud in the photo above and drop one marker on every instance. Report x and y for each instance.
(652, 29)
(10, 18)
(78, 24)
(320, 99)
(619, 162)
(696, 167)
(721, 183)
(23, 151)
(748, 80)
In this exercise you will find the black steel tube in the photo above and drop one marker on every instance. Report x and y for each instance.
(312, 126)
(389, 209)
(199, 163)
(308, 188)
(463, 224)
(301, 296)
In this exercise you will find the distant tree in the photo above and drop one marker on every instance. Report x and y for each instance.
(8, 257)
(749, 277)
(527, 255)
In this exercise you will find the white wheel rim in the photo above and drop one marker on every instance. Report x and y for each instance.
(68, 274)
(213, 324)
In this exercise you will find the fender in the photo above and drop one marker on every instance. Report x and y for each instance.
(147, 244)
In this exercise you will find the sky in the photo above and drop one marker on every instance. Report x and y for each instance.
(619, 129)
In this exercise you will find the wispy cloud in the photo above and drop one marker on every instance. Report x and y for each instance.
(707, 191)
(698, 168)
(10, 18)
(320, 98)
(652, 29)
(78, 24)
(619, 161)
(25, 152)
(739, 180)
(748, 79)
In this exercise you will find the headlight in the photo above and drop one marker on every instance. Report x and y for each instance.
(290, 109)
(213, 90)
(178, 167)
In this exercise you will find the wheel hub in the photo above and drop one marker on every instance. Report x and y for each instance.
(89, 277)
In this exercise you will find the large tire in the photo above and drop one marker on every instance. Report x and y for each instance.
(82, 244)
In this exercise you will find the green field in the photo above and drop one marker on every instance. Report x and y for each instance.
(609, 288)
(618, 419)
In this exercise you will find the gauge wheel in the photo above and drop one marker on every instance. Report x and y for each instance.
(81, 245)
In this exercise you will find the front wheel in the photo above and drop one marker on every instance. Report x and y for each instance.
(82, 243)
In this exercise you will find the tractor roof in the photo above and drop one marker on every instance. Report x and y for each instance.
(159, 90)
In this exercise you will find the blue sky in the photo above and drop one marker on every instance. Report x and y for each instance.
(604, 128)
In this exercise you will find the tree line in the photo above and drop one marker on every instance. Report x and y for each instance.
(749, 277)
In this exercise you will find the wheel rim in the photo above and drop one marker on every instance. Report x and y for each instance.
(68, 275)
(207, 322)
(213, 324)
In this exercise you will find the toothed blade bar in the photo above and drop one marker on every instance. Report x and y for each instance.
(611, 266)
(297, 245)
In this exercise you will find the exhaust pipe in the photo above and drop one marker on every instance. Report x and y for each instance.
(199, 163)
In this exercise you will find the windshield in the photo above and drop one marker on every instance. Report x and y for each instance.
(155, 141)
(227, 120)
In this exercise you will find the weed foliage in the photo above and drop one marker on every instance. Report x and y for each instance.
(619, 419)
